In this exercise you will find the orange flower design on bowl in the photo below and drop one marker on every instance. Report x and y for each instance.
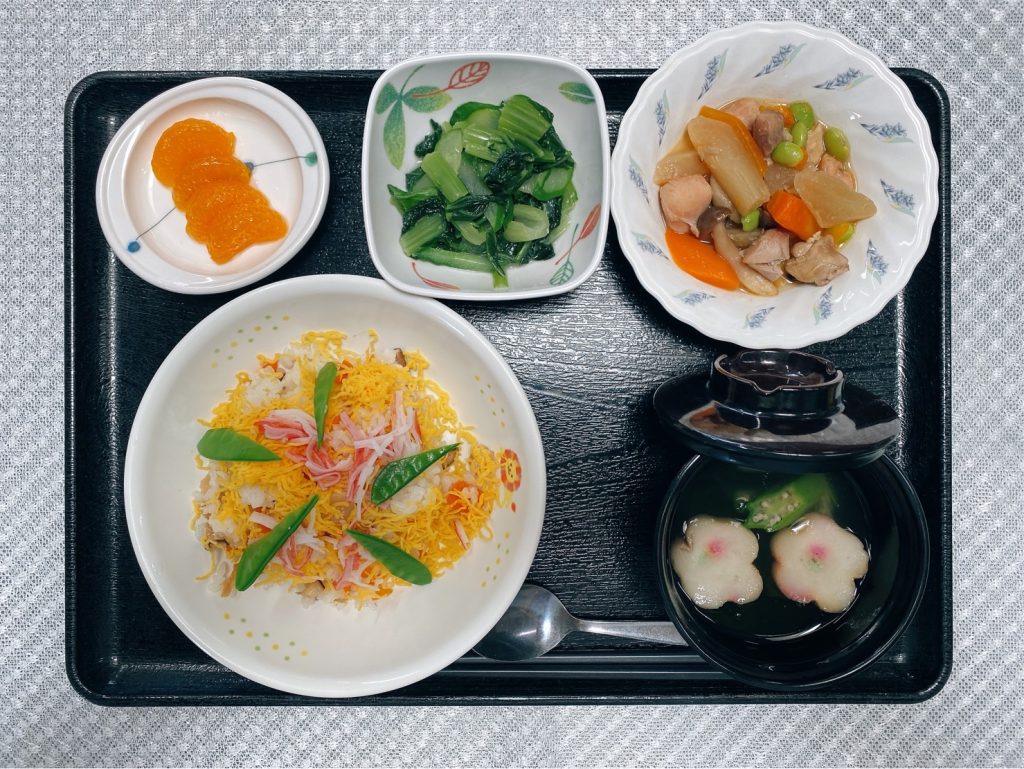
(510, 468)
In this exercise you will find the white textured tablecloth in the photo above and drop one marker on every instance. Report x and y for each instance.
(974, 48)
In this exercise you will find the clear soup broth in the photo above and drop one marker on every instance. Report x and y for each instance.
(721, 490)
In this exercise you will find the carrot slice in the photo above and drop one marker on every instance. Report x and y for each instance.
(783, 109)
(741, 131)
(792, 214)
(701, 261)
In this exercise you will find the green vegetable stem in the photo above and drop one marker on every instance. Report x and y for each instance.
(226, 445)
(321, 394)
(261, 552)
(393, 558)
(398, 474)
(777, 509)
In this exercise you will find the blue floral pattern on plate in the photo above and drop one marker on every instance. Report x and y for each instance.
(647, 244)
(782, 58)
(716, 67)
(844, 81)
(890, 133)
(900, 200)
(661, 111)
(636, 176)
(876, 264)
(694, 297)
(757, 319)
(823, 307)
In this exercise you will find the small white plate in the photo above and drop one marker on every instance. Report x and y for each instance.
(266, 633)
(272, 133)
(402, 104)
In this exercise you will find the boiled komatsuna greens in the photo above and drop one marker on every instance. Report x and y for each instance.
(493, 189)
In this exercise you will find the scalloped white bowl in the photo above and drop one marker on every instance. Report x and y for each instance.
(848, 87)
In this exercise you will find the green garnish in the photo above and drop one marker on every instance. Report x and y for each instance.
(393, 558)
(321, 394)
(781, 507)
(261, 552)
(226, 445)
(493, 189)
(398, 474)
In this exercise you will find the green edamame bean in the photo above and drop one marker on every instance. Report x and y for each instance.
(398, 474)
(788, 154)
(799, 134)
(836, 144)
(802, 113)
(750, 220)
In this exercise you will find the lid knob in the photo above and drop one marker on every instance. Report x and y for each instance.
(776, 385)
(778, 410)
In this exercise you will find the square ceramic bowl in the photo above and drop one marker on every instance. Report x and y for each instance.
(892, 156)
(404, 101)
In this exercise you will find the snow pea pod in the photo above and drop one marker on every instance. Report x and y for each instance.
(393, 558)
(321, 393)
(226, 445)
(398, 474)
(781, 507)
(261, 552)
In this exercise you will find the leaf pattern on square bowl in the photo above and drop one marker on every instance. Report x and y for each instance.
(647, 244)
(637, 177)
(890, 133)
(577, 92)
(876, 264)
(757, 319)
(715, 67)
(844, 81)
(420, 98)
(781, 58)
(899, 199)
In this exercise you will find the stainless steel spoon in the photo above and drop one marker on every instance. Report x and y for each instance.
(537, 621)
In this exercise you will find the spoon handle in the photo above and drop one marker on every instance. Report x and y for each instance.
(657, 632)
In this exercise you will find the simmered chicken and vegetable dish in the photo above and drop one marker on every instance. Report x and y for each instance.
(758, 194)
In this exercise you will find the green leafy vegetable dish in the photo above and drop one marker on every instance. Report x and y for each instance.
(493, 189)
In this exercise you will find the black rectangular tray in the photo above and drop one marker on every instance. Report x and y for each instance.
(589, 361)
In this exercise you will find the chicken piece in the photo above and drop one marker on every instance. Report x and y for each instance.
(769, 129)
(683, 200)
(818, 560)
(715, 562)
(746, 110)
(751, 280)
(817, 261)
(838, 169)
(768, 253)
(815, 145)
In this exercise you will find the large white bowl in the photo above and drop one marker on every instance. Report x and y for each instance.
(848, 87)
(411, 94)
(266, 634)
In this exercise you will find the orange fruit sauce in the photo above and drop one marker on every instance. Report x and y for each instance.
(213, 188)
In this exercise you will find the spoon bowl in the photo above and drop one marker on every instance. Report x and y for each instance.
(537, 621)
